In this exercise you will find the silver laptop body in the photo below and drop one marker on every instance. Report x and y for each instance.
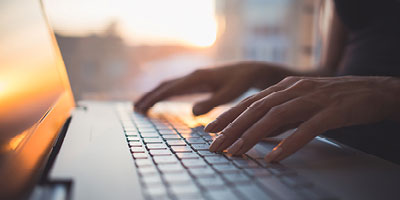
(106, 151)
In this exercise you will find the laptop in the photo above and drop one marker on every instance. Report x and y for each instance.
(55, 148)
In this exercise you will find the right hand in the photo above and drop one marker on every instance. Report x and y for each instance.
(225, 83)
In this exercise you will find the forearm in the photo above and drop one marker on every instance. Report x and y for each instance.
(394, 88)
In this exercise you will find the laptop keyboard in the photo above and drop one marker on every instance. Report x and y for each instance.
(173, 162)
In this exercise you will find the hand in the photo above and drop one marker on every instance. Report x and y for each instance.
(225, 83)
(312, 105)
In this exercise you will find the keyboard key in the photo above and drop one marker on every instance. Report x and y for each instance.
(202, 133)
(262, 162)
(147, 170)
(177, 178)
(252, 191)
(208, 138)
(279, 170)
(171, 168)
(295, 181)
(199, 147)
(156, 192)
(133, 139)
(191, 163)
(202, 172)
(150, 135)
(208, 153)
(151, 180)
(167, 132)
(143, 162)
(132, 133)
(137, 150)
(147, 130)
(128, 129)
(176, 143)
(184, 131)
(216, 160)
(165, 160)
(230, 157)
(191, 135)
(187, 156)
(226, 168)
(135, 144)
(195, 141)
(181, 149)
(156, 146)
(256, 153)
(144, 124)
(139, 155)
(273, 184)
(152, 140)
(211, 182)
(225, 193)
(236, 178)
(194, 196)
(165, 152)
(172, 137)
(163, 126)
(187, 189)
(315, 193)
(258, 172)
(245, 163)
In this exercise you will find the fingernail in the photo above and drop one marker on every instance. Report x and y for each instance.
(235, 147)
(273, 154)
(218, 140)
(211, 126)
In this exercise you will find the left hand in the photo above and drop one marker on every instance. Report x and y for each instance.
(312, 105)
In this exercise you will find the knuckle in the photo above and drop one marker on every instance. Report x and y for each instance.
(290, 79)
(167, 82)
(304, 83)
(199, 72)
(247, 101)
(256, 105)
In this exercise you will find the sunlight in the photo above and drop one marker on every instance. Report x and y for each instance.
(150, 22)
(190, 22)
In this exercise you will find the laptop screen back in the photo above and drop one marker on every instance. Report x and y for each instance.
(35, 95)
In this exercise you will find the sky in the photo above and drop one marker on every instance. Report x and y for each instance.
(150, 22)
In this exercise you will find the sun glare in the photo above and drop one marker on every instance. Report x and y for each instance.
(149, 22)
(190, 22)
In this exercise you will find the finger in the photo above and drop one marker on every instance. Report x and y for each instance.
(250, 116)
(188, 84)
(157, 95)
(222, 96)
(318, 124)
(228, 116)
(280, 117)
(139, 103)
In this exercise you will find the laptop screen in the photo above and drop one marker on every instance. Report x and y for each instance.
(35, 97)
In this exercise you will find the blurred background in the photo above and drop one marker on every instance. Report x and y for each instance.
(118, 49)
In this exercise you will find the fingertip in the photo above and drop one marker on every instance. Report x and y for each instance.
(273, 155)
(216, 143)
(211, 126)
(235, 148)
(199, 109)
